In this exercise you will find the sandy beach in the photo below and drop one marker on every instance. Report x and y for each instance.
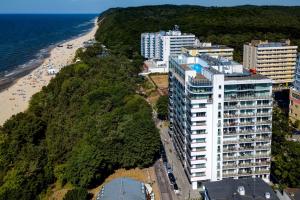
(16, 98)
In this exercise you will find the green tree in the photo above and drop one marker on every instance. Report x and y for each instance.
(162, 107)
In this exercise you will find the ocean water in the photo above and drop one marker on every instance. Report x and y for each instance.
(25, 40)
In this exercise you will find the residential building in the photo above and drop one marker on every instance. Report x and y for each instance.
(151, 45)
(212, 50)
(240, 189)
(276, 60)
(159, 46)
(173, 41)
(220, 118)
(294, 111)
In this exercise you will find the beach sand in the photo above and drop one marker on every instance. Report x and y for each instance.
(16, 98)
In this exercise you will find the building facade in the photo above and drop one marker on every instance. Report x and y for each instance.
(294, 111)
(276, 60)
(212, 50)
(151, 45)
(220, 118)
(161, 45)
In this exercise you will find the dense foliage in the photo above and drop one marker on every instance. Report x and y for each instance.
(286, 154)
(232, 26)
(85, 124)
(162, 107)
(77, 194)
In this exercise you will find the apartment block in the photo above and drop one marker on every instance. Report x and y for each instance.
(294, 111)
(151, 45)
(276, 60)
(212, 50)
(161, 45)
(220, 118)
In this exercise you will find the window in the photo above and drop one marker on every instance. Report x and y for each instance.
(220, 96)
(200, 114)
(219, 114)
(220, 87)
(220, 106)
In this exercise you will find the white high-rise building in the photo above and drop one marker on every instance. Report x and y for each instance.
(161, 45)
(220, 118)
(276, 60)
(151, 45)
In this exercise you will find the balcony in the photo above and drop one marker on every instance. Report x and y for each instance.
(230, 166)
(230, 133)
(229, 158)
(228, 124)
(263, 155)
(267, 147)
(246, 157)
(261, 172)
(264, 122)
(230, 141)
(226, 175)
(229, 150)
(250, 97)
(246, 140)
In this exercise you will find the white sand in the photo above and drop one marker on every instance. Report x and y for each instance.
(16, 98)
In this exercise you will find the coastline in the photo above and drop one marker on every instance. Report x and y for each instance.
(16, 92)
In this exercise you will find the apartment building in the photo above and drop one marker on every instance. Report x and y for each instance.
(212, 50)
(151, 45)
(294, 111)
(276, 60)
(220, 118)
(159, 46)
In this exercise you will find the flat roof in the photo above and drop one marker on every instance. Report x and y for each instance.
(208, 47)
(246, 77)
(123, 189)
(227, 189)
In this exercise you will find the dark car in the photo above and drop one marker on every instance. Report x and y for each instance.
(172, 178)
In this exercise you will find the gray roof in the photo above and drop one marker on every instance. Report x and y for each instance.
(255, 189)
(123, 189)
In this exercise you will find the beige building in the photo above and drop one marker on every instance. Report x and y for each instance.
(211, 50)
(295, 95)
(276, 60)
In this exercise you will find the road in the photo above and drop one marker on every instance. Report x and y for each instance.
(163, 182)
(184, 185)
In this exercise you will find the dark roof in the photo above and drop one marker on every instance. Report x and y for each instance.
(123, 189)
(255, 189)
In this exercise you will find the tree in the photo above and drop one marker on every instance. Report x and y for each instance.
(162, 107)
(77, 194)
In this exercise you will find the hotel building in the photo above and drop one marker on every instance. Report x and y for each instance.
(212, 50)
(220, 118)
(161, 45)
(276, 60)
(294, 111)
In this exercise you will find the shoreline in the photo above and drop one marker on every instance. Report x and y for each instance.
(17, 90)
(14, 75)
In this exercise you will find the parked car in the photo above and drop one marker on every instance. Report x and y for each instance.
(172, 178)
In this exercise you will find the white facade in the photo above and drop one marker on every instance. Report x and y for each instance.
(220, 118)
(151, 45)
(276, 60)
(162, 45)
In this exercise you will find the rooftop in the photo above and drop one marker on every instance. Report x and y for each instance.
(123, 189)
(207, 47)
(227, 189)
(266, 43)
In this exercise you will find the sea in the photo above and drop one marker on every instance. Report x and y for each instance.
(26, 39)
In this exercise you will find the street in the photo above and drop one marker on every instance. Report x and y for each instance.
(185, 187)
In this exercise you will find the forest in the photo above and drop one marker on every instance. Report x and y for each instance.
(86, 123)
(231, 26)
